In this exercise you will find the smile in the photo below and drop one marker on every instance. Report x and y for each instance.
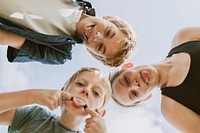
(78, 102)
(145, 77)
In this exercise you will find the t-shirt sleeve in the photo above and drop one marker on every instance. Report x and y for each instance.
(24, 117)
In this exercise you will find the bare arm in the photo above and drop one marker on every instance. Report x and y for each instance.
(11, 100)
(11, 39)
(185, 35)
(182, 118)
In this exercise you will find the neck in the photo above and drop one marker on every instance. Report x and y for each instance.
(163, 69)
(71, 122)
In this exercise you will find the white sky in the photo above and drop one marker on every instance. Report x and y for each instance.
(155, 23)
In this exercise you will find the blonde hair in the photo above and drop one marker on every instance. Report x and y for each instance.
(129, 45)
(90, 69)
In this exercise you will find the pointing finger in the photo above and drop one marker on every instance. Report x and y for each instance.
(91, 112)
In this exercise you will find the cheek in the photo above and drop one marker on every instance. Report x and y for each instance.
(90, 46)
(95, 103)
(72, 90)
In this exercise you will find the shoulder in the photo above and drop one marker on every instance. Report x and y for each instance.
(33, 110)
(179, 116)
(30, 108)
(185, 34)
(172, 112)
(170, 108)
(166, 106)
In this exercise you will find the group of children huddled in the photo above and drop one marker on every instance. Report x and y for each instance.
(48, 36)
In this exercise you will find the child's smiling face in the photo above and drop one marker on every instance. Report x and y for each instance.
(100, 36)
(89, 88)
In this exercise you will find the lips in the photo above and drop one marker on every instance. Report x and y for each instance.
(145, 77)
(87, 32)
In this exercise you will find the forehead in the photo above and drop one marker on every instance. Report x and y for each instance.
(121, 93)
(116, 75)
(117, 42)
(95, 78)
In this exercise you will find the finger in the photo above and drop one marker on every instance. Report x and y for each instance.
(50, 106)
(86, 130)
(98, 112)
(60, 100)
(87, 125)
(88, 120)
(91, 112)
(55, 105)
(65, 95)
(55, 101)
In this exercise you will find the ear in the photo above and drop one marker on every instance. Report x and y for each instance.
(102, 112)
(127, 65)
(108, 17)
(148, 97)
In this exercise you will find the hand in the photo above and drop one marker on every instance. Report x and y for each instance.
(94, 124)
(50, 98)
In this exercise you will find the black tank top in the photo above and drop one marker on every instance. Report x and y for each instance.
(188, 92)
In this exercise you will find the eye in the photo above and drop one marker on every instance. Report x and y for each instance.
(99, 47)
(96, 93)
(80, 84)
(108, 32)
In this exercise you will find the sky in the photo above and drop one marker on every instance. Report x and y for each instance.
(155, 23)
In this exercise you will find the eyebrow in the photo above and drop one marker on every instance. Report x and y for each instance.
(120, 82)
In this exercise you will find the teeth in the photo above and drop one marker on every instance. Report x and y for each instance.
(78, 102)
(145, 77)
(88, 31)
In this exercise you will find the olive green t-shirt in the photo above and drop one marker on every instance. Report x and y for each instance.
(35, 119)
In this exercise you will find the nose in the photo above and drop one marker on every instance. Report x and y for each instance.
(85, 91)
(98, 37)
(136, 83)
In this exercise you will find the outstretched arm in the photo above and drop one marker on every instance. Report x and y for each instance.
(182, 118)
(186, 34)
(11, 39)
(11, 100)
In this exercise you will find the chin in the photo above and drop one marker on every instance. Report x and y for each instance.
(76, 111)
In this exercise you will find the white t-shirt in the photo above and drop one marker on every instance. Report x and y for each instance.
(52, 17)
